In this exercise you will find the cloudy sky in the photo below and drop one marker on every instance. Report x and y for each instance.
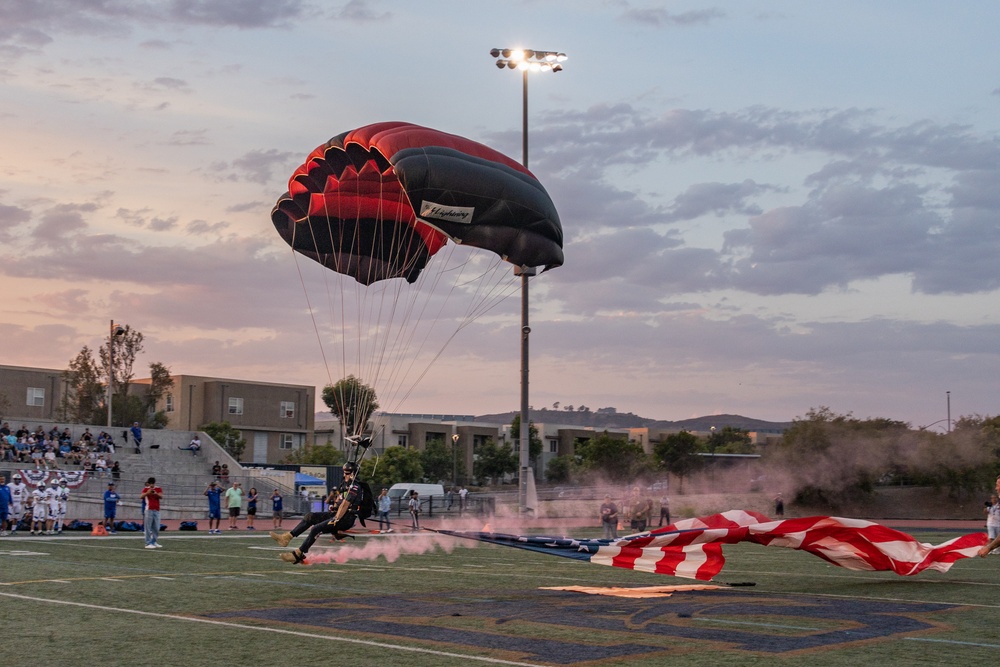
(767, 206)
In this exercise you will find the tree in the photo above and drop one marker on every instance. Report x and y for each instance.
(832, 458)
(127, 346)
(395, 465)
(615, 457)
(436, 460)
(352, 402)
(84, 400)
(493, 461)
(229, 438)
(160, 383)
(535, 442)
(730, 441)
(678, 454)
(560, 469)
(318, 455)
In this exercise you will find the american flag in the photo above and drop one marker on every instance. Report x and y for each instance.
(692, 548)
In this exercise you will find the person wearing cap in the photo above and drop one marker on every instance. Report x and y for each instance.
(214, 494)
(356, 504)
(111, 501)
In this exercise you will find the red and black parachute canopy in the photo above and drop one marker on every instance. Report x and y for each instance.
(377, 202)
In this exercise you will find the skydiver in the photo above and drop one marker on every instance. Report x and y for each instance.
(356, 504)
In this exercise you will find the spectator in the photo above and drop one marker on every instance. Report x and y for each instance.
(664, 510)
(609, 518)
(277, 509)
(642, 508)
(111, 501)
(251, 507)
(234, 501)
(151, 496)
(779, 506)
(50, 458)
(101, 466)
(214, 495)
(194, 446)
(384, 505)
(116, 471)
(224, 475)
(463, 494)
(414, 507)
(216, 470)
(136, 437)
(992, 512)
(5, 503)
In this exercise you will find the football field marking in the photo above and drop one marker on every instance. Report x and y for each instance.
(280, 631)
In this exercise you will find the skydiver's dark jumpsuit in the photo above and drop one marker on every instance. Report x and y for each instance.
(355, 496)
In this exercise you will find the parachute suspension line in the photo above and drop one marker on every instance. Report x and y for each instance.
(312, 312)
(496, 296)
(392, 320)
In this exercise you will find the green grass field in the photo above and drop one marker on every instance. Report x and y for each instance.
(203, 600)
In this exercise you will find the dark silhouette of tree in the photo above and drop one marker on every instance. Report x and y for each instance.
(352, 402)
(678, 454)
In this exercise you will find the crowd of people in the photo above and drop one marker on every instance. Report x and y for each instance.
(59, 450)
(636, 508)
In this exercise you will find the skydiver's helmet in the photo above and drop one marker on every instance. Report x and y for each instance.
(350, 468)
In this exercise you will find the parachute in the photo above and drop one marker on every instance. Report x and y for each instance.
(377, 206)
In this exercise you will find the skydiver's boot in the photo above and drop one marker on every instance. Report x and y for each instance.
(294, 557)
(281, 538)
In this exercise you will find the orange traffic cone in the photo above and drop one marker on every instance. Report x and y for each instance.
(99, 530)
(487, 529)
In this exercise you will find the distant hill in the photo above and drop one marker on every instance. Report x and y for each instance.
(601, 419)
(606, 418)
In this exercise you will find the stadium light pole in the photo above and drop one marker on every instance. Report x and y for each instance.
(948, 395)
(113, 332)
(525, 60)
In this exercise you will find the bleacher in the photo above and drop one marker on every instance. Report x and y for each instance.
(182, 475)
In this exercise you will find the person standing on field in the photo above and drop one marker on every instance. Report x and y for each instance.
(152, 495)
(234, 500)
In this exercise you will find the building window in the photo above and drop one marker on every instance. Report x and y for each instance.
(286, 441)
(401, 441)
(287, 409)
(170, 402)
(36, 396)
(235, 406)
(553, 446)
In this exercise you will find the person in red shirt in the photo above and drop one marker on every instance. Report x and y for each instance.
(151, 495)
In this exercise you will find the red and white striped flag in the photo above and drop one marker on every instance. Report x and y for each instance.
(693, 548)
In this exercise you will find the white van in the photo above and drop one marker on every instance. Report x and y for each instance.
(397, 491)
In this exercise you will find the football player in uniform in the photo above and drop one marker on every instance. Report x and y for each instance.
(62, 502)
(18, 499)
(53, 498)
(40, 509)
